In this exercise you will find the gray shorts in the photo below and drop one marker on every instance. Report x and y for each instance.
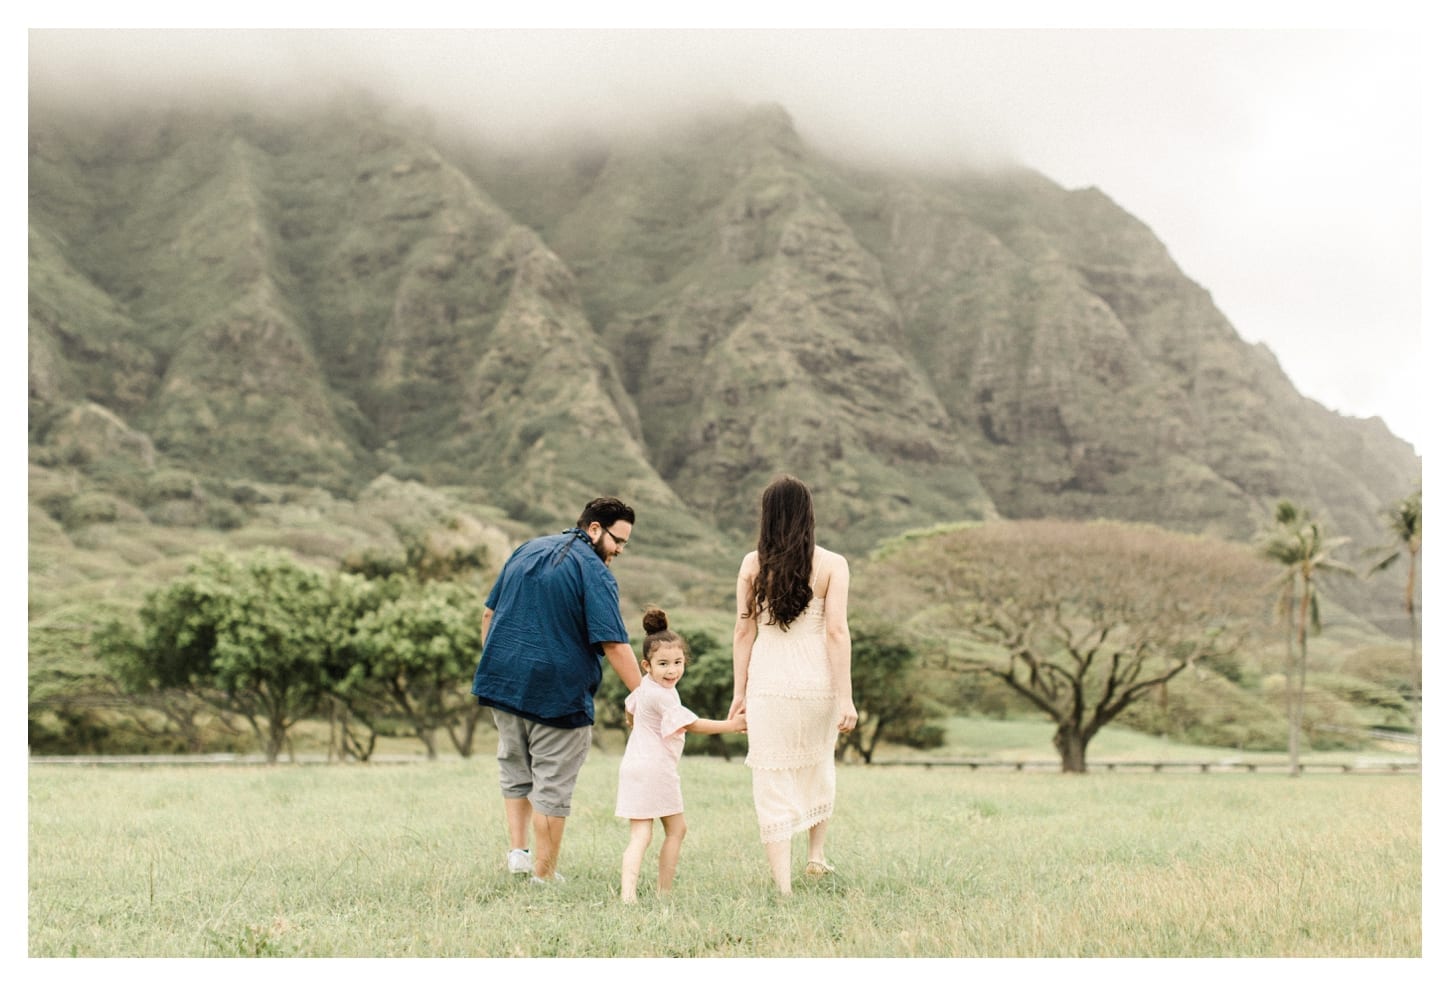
(540, 762)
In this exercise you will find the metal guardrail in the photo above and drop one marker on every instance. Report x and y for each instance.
(220, 759)
(1358, 766)
(1383, 735)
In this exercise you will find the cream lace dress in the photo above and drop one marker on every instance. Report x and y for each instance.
(791, 708)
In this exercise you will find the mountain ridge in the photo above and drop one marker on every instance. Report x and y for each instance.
(323, 297)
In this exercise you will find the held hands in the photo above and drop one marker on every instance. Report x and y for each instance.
(736, 716)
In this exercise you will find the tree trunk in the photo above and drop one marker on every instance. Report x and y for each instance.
(1072, 747)
(461, 732)
(355, 746)
(1417, 705)
(1293, 726)
(335, 713)
(276, 739)
(1296, 721)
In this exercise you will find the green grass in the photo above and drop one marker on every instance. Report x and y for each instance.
(406, 860)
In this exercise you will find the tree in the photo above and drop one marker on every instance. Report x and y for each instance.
(888, 692)
(252, 636)
(1402, 519)
(1301, 545)
(1080, 619)
(708, 688)
(187, 712)
(451, 551)
(414, 658)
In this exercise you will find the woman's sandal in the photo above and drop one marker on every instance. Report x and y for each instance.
(816, 867)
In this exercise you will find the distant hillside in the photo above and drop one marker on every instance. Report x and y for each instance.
(241, 299)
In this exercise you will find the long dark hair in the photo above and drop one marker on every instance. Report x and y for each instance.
(785, 548)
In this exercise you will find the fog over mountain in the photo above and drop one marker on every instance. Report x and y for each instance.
(1281, 169)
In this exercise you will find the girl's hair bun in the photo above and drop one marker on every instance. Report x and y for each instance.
(655, 621)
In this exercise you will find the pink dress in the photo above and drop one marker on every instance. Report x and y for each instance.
(649, 774)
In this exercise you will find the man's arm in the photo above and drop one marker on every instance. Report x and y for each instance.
(622, 660)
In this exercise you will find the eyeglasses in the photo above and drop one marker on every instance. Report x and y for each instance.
(617, 540)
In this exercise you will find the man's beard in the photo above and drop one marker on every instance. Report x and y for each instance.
(598, 547)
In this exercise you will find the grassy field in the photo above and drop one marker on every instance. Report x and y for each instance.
(406, 860)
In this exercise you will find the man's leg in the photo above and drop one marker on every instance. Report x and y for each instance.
(515, 778)
(548, 837)
(556, 756)
(518, 813)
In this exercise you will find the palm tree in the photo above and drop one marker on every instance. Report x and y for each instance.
(1301, 544)
(1402, 519)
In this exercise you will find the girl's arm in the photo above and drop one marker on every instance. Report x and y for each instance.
(745, 631)
(735, 724)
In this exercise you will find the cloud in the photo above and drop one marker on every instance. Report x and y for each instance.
(1282, 169)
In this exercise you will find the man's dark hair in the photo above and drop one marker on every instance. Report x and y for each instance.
(605, 510)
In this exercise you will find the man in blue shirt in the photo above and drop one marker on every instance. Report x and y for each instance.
(552, 613)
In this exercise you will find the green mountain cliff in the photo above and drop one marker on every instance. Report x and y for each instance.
(232, 307)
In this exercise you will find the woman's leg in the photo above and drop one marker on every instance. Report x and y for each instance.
(816, 848)
(640, 831)
(778, 855)
(670, 850)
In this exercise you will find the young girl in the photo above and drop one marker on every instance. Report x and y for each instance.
(649, 774)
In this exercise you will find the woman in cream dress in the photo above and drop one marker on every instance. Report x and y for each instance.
(792, 657)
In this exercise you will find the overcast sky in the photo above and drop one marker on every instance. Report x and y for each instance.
(1282, 169)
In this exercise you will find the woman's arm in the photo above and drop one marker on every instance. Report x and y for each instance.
(745, 630)
(838, 641)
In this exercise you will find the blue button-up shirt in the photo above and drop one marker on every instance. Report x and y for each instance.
(554, 605)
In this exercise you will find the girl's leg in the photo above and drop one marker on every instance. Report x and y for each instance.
(640, 831)
(670, 850)
(778, 855)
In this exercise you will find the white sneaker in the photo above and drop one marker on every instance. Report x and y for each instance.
(520, 861)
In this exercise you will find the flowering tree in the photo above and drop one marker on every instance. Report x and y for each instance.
(1080, 619)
